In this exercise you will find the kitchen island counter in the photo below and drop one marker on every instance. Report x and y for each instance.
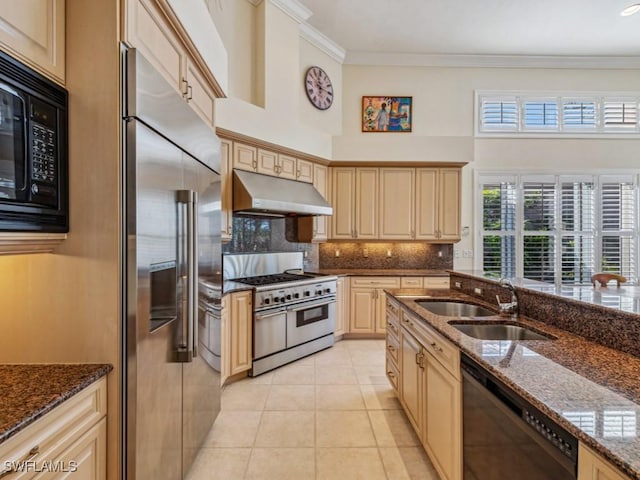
(29, 391)
(589, 389)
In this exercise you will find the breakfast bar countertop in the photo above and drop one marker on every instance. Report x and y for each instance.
(568, 378)
(29, 391)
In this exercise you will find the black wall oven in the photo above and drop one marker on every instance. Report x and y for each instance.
(33, 150)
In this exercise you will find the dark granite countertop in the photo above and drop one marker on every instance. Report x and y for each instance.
(229, 286)
(31, 390)
(362, 272)
(591, 390)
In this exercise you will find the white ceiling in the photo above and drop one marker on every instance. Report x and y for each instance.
(478, 27)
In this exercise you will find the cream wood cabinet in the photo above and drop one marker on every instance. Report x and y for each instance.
(72, 438)
(432, 283)
(276, 165)
(355, 201)
(305, 173)
(342, 307)
(430, 389)
(226, 210)
(148, 31)
(367, 303)
(237, 333)
(396, 203)
(247, 157)
(593, 467)
(437, 214)
(34, 32)
(315, 229)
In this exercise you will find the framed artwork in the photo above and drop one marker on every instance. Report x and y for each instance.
(386, 114)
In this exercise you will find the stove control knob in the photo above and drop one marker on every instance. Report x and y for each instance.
(296, 295)
(282, 299)
(318, 292)
(327, 290)
(288, 297)
(276, 299)
(307, 293)
(267, 301)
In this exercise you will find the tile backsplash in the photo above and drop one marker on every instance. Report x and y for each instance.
(387, 255)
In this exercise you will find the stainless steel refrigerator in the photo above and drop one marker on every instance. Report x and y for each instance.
(171, 389)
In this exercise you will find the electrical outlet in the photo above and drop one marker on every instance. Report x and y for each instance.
(456, 253)
(337, 253)
(365, 252)
(389, 253)
(477, 291)
(440, 254)
(457, 285)
(467, 253)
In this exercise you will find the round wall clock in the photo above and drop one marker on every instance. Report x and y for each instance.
(318, 86)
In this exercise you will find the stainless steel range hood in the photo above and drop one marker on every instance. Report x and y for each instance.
(265, 196)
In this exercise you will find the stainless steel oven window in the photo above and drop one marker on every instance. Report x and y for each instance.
(311, 315)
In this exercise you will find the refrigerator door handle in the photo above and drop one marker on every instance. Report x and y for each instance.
(187, 346)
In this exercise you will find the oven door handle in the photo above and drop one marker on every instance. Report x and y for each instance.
(270, 313)
(318, 303)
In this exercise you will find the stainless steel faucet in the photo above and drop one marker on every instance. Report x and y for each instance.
(512, 306)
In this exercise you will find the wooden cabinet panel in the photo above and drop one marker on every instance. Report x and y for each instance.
(426, 203)
(362, 310)
(342, 306)
(411, 282)
(147, 32)
(412, 380)
(449, 204)
(287, 167)
(226, 211)
(366, 207)
(343, 220)
(593, 467)
(199, 95)
(267, 162)
(241, 331)
(245, 157)
(443, 426)
(397, 203)
(320, 181)
(304, 173)
(436, 282)
(34, 32)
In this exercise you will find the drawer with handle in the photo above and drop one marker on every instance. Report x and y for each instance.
(411, 282)
(376, 282)
(392, 374)
(393, 347)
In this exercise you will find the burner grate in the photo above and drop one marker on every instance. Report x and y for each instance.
(271, 279)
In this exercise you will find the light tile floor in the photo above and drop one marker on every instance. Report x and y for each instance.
(332, 415)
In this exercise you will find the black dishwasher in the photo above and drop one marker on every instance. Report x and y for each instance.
(505, 437)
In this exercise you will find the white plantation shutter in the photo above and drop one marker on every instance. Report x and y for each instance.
(499, 227)
(559, 229)
(579, 114)
(620, 114)
(499, 114)
(541, 114)
(577, 211)
(539, 248)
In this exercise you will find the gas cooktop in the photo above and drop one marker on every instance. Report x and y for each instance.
(274, 278)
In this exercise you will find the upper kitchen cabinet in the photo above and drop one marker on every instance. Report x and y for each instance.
(315, 229)
(34, 32)
(438, 204)
(226, 210)
(396, 203)
(149, 30)
(355, 202)
(270, 162)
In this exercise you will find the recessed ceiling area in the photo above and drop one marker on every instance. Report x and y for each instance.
(479, 27)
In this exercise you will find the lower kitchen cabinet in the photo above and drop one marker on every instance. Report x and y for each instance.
(237, 333)
(342, 306)
(430, 389)
(593, 467)
(367, 303)
(69, 441)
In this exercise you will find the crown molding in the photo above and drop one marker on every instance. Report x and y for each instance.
(294, 9)
(495, 61)
(322, 42)
(255, 3)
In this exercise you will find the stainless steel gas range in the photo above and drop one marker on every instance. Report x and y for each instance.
(294, 313)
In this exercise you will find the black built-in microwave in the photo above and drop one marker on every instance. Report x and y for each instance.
(33, 151)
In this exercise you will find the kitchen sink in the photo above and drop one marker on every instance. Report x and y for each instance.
(455, 309)
(500, 331)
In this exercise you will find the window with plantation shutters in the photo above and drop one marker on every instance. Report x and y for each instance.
(558, 228)
(499, 114)
(499, 227)
(620, 114)
(544, 114)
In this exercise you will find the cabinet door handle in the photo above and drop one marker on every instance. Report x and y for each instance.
(298, 173)
(391, 374)
(13, 467)
(189, 93)
(390, 348)
(185, 84)
(254, 164)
